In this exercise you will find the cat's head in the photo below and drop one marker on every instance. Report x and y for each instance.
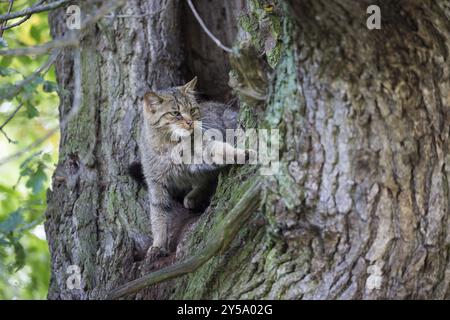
(174, 112)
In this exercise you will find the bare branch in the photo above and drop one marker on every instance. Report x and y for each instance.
(34, 9)
(11, 2)
(28, 148)
(15, 24)
(205, 28)
(71, 40)
(68, 41)
(221, 240)
(18, 23)
(10, 118)
(7, 137)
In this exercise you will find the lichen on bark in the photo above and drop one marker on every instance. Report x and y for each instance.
(263, 22)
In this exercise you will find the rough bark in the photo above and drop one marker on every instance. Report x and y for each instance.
(361, 207)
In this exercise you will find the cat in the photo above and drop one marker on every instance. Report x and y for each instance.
(169, 116)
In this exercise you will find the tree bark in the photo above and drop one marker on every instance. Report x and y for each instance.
(360, 209)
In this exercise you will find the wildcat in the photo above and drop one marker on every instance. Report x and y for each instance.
(175, 113)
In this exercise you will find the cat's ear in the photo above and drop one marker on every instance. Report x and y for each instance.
(152, 100)
(190, 86)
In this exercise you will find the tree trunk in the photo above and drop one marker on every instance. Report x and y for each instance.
(360, 207)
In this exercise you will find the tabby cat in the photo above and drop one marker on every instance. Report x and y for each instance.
(168, 116)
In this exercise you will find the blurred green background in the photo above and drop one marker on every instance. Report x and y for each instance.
(24, 179)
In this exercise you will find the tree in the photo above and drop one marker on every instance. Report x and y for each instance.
(360, 209)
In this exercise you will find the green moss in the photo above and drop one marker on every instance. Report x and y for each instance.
(80, 128)
(285, 89)
(273, 56)
(249, 23)
(264, 28)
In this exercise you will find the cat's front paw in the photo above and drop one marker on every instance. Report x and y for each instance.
(189, 203)
(150, 263)
(154, 253)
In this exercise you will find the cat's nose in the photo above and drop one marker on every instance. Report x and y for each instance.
(189, 122)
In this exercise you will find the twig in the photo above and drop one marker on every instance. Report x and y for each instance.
(32, 224)
(36, 143)
(71, 40)
(221, 240)
(11, 116)
(7, 137)
(11, 2)
(205, 28)
(15, 24)
(34, 9)
(8, 120)
(68, 41)
(18, 23)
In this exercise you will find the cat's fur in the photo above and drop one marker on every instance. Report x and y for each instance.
(175, 111)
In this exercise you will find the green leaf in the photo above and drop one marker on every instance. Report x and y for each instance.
(5, 71)
(19, 253)
(31, 111)
(6, 61)
(50, 86)
(28, 160)
(32, 86)
(25, 60)
(24, 172)
(3, 242)
(29, 88)
(46, 157)
(37, 179)
(35, 33)
(13, 221)
(4, 91)
(3, 43)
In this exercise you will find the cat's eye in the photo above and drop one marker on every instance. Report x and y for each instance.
(174, 113)
(195, 111)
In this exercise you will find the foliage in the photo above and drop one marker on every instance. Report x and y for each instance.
(24, 257)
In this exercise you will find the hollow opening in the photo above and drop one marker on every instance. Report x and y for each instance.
(204, 58)
(211, 64)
